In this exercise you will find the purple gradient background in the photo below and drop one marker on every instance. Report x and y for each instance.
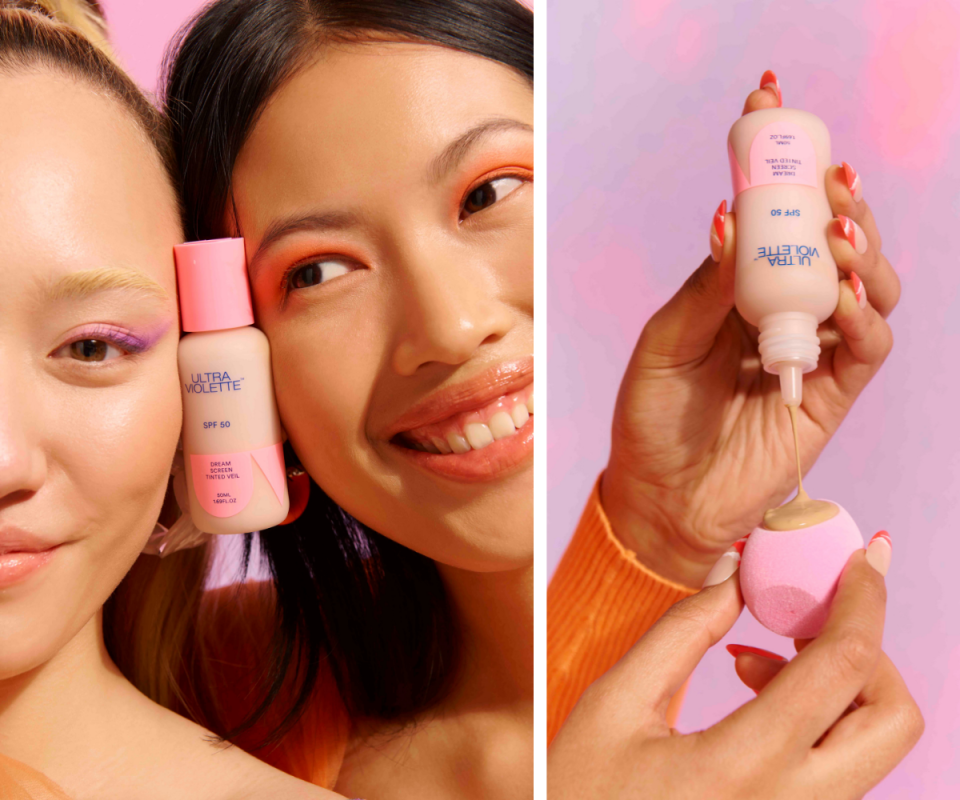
(640, 98)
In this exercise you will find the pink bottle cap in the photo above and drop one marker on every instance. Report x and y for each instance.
(212, 281)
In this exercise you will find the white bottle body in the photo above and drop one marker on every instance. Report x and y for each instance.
(232, 439)
(784, 262)
(786, 278)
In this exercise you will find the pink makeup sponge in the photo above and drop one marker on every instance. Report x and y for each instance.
(789, 578)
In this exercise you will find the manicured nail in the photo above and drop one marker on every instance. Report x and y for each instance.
(853, 182)
(859, 290)
(726, 565)
(854, 234)
(737, 649)
(717, 232)
(769, 81)
(879, 552)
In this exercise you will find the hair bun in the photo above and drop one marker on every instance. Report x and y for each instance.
(27, 5)
(83, 16)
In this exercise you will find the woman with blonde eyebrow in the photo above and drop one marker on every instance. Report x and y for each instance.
(89, 419)
(90, 281)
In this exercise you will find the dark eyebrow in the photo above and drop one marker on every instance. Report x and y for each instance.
(454, 152)
(316, 221)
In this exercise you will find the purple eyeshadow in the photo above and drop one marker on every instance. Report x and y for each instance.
(130, 341)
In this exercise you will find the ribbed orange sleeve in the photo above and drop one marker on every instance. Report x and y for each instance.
(600, 601)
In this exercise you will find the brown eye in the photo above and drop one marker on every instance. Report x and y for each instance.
(487, 194)
(89, 350)
(316, 272)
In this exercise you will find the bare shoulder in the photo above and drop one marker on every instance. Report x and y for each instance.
(178, 758)
(262, 781)
(232, 774)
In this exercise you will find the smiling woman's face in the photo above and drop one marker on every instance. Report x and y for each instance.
(89, 397)
(386, 200)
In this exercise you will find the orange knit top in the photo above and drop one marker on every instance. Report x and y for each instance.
(600, 602)
(20, 782)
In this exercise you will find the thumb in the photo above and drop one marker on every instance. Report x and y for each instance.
(684, 329)
(656, 667)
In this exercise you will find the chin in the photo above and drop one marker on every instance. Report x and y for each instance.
(26, 642)
(463, 544)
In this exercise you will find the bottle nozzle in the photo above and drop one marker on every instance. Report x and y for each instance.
(789, 347)
(791, 383)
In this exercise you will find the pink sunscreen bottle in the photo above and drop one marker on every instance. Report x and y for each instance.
(232, 441)
(786, 281)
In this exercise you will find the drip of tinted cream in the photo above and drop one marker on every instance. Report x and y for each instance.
(802, 511)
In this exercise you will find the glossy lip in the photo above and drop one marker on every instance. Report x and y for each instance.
(471, 395)
(492, 462)
(22, 554)
(495, 460)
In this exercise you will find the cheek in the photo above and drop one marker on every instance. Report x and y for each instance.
(322, 378)
(107, 476)
(512, 255)
(120, 450)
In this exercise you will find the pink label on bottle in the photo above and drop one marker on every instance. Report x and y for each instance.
(783, 152)
(270, 460)
(223, 483)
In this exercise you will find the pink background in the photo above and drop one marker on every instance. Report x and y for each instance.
(641, 95)
(141, 29)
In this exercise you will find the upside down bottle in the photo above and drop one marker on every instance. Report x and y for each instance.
(786, 281)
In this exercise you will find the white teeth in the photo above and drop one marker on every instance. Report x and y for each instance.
(478, 435)
(501, 425)
(520, 415)
(457, 443)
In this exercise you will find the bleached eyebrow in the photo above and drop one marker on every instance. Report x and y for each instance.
(83, 283)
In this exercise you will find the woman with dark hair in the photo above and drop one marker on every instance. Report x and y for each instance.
(377, 158)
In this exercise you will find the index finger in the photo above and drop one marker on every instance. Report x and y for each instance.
(814, 689)
(655, 668)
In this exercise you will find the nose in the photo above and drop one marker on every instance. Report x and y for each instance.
(22, 461)
(450, 308)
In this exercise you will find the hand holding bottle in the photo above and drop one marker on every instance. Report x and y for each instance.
(701, 443)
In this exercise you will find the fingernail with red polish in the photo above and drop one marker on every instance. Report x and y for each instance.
(726, 565)
(859, 290)
(854, 234)
(769, 80)
(738, 649)
(853, 182)
(717, 232)
(879, 552)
